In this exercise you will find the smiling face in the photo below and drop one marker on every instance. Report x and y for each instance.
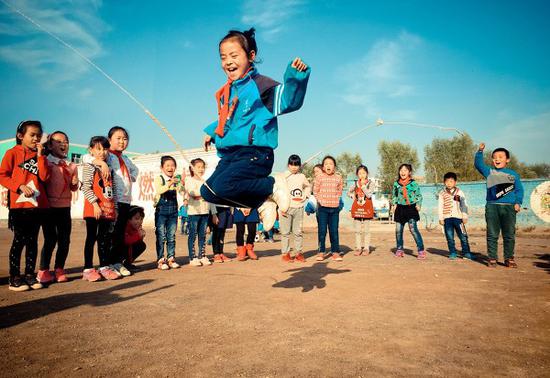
(404, 173)
(136, 221)
(198, 169)
(31, 137)
(169, 167)
(99, 152)
(119, 140)
(329, 166)
(450, 183)
(235, 61)
(362, 174)
(500, 160)
(59, 145)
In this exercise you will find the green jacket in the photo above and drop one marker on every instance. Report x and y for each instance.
(413, 192)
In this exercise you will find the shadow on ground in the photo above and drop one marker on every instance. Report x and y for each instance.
(545, 263)
(309, 277)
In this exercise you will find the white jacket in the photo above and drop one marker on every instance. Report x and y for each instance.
(449, 207)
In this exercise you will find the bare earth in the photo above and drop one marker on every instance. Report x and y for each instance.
(367, 316)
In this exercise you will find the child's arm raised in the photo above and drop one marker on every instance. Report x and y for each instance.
(289, 96)
(479, 163)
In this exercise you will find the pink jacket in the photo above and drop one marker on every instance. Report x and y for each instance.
(59, 185)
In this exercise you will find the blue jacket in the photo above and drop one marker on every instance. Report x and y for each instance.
(503, 185)
(261, 100)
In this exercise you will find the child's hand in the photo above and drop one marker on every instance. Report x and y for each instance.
(105, 171)
(27, 192)
(418, 208)
(442, 222)
(207, 142)
(246, 212)
(74, 180)
(39, 149)
(465, 220)
(284, 214)
(215, 219)
(517, 207)
(481, 146)
(97, 210)
(299, 65)
(142, 232)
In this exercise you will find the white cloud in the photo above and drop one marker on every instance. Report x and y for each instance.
(25, 46)
(270, 15)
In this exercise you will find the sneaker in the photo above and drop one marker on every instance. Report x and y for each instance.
(18, 284)
(510, 263)
(337, 257)
(44, 276)
(287, 258)
(421, 255)
(131, 267)
(281, 193)
(112, 267)
(60, 275)
(205, 261)
(299, 257)
(320, 256)
(452, 256)
(468, 256)
(218, 258)
(268, 214)
(91, 275)
(492, 263)
(108, 273)
(33, 282)
(270, 240)
(225, 258)
(195, 262)
(357, 252)
(172, 263)
(162, 264)
(399, 253)
(122, 269)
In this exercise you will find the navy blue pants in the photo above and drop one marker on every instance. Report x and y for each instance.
(241, 178)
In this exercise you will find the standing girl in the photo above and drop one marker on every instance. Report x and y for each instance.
(407, 200)
(167, 185)
(246, 132)
(249, 219)
(327, 189)
(62, 182)
(221, 221)
(23, 172)
(198, 211)
(362, 210)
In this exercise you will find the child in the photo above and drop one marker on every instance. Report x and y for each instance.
(248, 218)
(23, 172)
(327, 189)
(182, 213)
(221, 221)
(407, 200)
(504, 199)
(124, 174)
(133, 236)
(362, 210)
(62, 182)
(99, 213)
(167, 185)
(311, 206)
(453, 215)
(246, 131)
(292, 220)
(198, 211)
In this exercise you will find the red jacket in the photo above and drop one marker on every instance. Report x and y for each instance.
(20, 166)
(131, 235)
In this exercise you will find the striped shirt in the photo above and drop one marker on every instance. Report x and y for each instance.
(452, 204)
(328, 189)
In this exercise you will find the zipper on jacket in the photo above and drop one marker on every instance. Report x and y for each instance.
(251, 134)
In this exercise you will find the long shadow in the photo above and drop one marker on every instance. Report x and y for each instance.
(545, 263)
(477, 257)
(309, 277)
(22, 312)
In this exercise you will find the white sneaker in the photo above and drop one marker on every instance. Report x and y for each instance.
(205, 261)
(172, 263)
(195, 262)
(281, 194)
(268, 214)
(122, 269)
(162, 265)
(114, 269)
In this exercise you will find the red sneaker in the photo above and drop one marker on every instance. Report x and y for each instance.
(60, 275)
(218, 258)
(299, 257)
(337, 257)
(44, 276)
(225, 258)
(108, 273)
(91, 275)
(287, 258)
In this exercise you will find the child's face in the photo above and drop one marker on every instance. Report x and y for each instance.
(450, 183)
(119, 141)
(234, 60)
(59, 145)
(168, 168)
(199, 169)
(500, 160)
(328, 166)
(362, 174)
(99, 152)
(31, 137)
(293, 168)
(136, 221)
(317, 171)
(404, 173)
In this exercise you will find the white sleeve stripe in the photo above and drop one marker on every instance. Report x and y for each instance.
(280, 100)
(277, 88)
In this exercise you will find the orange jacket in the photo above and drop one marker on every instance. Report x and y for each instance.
(20, 166)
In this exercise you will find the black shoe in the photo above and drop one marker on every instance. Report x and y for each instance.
(33, 282)
(18, 284)
(131, 267)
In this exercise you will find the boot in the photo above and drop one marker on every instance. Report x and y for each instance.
(250, 252)
(241, 253)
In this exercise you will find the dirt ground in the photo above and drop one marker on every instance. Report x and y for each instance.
(366, 316)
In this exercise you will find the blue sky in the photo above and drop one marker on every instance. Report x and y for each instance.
(481, 67)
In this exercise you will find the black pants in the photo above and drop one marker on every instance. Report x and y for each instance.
(57, 230)
(218, 236)
(119, 252)
(137, 249)
(240, 233)
(26, 225)
(99, 230)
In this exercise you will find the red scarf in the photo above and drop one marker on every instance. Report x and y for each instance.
(67, 175)
(404, 184)
(121, 162)
(224, 110)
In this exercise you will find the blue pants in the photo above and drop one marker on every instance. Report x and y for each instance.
(241, 177)
(197, 228)
(450, 225)
(414, 232)
(328, 217)
(165, 230)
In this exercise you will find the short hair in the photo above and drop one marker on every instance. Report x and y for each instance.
(22, 129)
(501, 149)
(294, 160)
(114, 129)
(136, 210)
(99, 139)
(406, 165)
(364, 167)
(450, 175)
(165, 158)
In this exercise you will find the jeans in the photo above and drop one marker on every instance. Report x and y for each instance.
(56, 230)
(197, 228)
(165, 230)
(450, 225)
(292, 223)
(500, 218)
(328, 217)
(414, 232)
(241, 178)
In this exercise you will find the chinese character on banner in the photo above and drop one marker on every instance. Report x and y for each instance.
(146, 190)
